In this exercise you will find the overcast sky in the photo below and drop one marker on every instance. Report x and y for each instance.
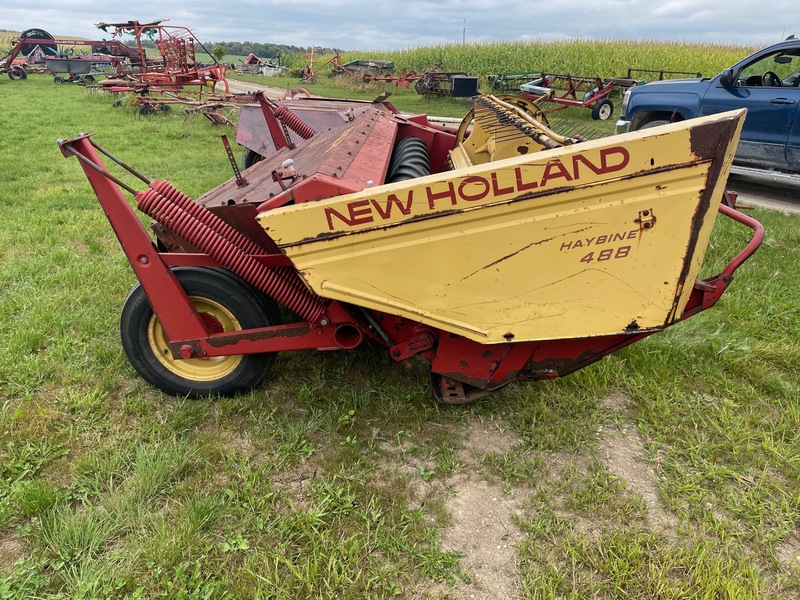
(394, 25)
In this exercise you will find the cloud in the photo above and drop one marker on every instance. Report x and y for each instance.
(388, 25)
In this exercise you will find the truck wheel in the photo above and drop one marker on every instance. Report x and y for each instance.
(226, 303)
(656, 123)
(602, 110)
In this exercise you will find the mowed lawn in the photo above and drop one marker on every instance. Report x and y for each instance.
(670, 469)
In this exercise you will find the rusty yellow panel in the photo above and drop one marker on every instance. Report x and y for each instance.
(593, 239)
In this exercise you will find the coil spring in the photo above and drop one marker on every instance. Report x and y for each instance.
(201, 228)
(294, 122)
(175, 196)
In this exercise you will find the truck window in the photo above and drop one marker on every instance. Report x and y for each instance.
(774, 70)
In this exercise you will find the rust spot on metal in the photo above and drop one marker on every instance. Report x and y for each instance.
(708, 143)
(332, 235)
(646, 219)
(268, 333)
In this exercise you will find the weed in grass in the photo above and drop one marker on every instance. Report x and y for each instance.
(190, 579)
(636, 564)
(91, 579)
(88, 407)
(158, 467)
(36, 497)
(562, 417)
(72, 534)
(102, 471)
(514, 468)
(595, 491)
(24, 579)
(202, 511)
(21, 458)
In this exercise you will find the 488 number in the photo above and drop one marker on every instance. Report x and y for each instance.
(606, 254)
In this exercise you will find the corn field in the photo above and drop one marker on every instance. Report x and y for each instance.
(7, 41)
(604, 58)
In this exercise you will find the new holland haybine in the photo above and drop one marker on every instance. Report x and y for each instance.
(497, 251)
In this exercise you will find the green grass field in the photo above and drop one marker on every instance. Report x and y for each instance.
(670, 469)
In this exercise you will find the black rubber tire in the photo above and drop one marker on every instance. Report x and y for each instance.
(58, 79)
(654, 123)
(17, 73)
(250, 157)
(221, 296)
(602, 110)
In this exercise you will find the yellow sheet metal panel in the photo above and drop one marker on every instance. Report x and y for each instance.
(593, 239)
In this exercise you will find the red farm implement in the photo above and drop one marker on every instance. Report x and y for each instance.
(469, 248)
(404, 79)
(360, 69)
(178, 66)
(432, 83)
(37, 48)
(572, 90)
(439, 83)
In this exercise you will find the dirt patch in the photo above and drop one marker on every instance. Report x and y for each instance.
(484, 438)
(483, 516)
(788, 554)
(10, 549)
(622, 450)
(245, 87)
(483, 528)
(616, 401)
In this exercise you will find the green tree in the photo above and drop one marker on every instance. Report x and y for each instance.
(219, 52)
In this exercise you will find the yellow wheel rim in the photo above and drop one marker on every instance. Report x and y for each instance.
(219, 319)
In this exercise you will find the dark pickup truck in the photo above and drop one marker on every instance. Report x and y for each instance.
(765, 83)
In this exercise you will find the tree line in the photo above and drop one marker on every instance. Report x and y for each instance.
(274, 51)
(259, 49)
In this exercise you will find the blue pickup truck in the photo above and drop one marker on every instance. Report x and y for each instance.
(766, 83)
